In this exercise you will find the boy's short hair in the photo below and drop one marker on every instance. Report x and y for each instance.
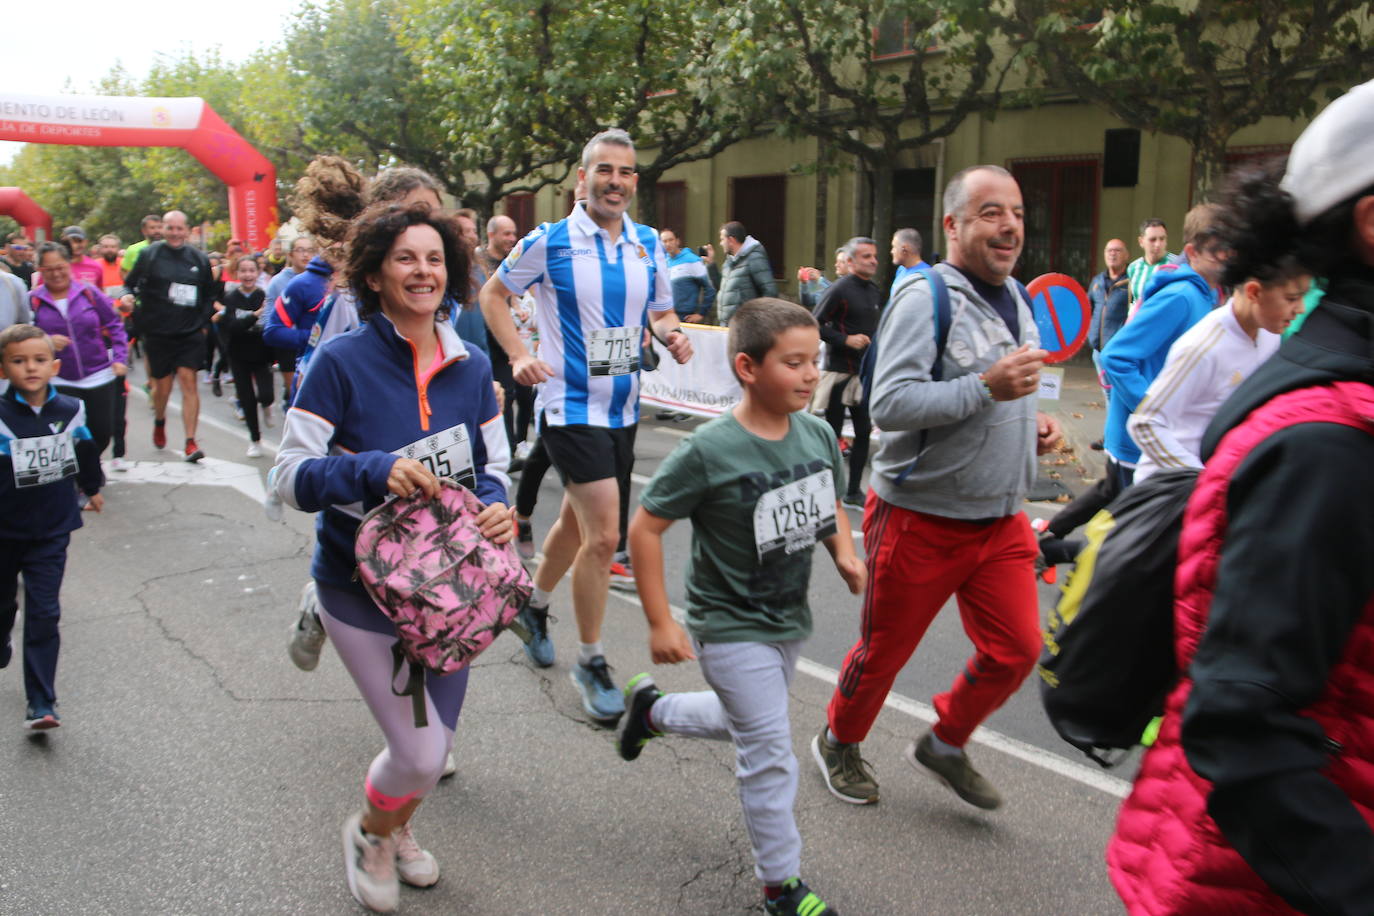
(756, 324)
(1201, 224)
(18, 333)
(1152, 221)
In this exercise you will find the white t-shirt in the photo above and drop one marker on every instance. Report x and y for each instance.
(1203, 368)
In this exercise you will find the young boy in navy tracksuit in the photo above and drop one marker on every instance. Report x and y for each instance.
(759, 485)
(44, 444)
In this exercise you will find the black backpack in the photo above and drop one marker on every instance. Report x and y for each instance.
(1108, 663)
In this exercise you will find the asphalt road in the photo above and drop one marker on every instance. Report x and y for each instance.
(197, 771)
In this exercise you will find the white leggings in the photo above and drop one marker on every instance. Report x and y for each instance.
(747, 704)
(413, 759)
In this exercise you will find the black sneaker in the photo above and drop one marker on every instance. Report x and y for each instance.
(641, 693)
(524, 538)
(855, 499)
(216, 388)
(798, 900)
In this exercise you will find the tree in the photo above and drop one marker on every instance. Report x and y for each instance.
(676, 102)
(523, 85)
(870, 78)
(1200, 71)
(360, 94)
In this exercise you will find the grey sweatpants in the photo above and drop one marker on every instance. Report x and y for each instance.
(747, 704)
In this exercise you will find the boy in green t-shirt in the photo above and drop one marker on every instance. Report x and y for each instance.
(759, 485)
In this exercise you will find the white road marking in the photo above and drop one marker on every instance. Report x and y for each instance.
(210, 472)
(1027, 753)
(669, 431)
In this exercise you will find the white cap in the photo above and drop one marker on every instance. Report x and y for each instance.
(1331, 161)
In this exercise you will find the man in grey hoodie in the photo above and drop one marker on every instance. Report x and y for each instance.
(949, 523)
(747, 273)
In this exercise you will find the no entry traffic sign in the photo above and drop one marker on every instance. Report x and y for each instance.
(1062, 313)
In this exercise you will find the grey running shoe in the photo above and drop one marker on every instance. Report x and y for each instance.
(600, 697)
(307, 634)
(847, 774)
(955, 772)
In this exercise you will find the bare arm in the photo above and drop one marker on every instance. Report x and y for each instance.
(668, 642)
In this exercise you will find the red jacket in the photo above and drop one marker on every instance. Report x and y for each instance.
(1168, 855)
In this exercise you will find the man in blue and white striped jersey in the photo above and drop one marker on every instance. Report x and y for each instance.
(598, 278)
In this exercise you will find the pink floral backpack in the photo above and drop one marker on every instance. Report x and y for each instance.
(449, 590)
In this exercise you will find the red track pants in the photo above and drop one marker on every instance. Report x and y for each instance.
(915, 562)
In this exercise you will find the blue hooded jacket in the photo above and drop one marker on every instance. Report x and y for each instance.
(1175, 299)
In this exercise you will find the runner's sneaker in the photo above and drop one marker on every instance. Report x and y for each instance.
(847, 775)
(41, 718)
(216, 388)
(855, 500)
(600, 698)
(159, 434)
(267, 419)
(622, 574)
(193, 452)
(307, 634)
(522, 451)
(238, 412)
(540, 647)
(6, 653)
(635, 730)
(450, 766)
(254, 450)
(954, 771)
(118, 464)
(370, 863)
(798, 899)
(415, 865)
(524, 538)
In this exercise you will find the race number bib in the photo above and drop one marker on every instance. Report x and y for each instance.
(446, 454)
(794, 517)
(182, 294)
(43, 459)
(613, 351)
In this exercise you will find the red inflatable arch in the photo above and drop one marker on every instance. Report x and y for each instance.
(32, 218)
(88, 120)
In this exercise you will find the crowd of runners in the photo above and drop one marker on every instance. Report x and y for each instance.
(413, 352)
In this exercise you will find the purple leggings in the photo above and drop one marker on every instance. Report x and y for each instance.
(413, 759)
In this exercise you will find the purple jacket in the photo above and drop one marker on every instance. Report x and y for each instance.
(89, 313)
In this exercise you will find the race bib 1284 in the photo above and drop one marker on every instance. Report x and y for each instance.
(795, 516)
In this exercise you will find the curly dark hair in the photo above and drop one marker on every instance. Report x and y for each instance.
(1256, 221)
(376, 230)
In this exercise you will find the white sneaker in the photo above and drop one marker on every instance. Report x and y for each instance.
(307, 634)
(522, 451)
(370, 862)
(267, 416)
(119, 464)
(254, 450)
(415, 865)
(450, 766)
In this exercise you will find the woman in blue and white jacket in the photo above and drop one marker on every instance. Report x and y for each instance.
(402, 384)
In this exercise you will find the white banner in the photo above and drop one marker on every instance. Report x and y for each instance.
(79, 111)
(704, 386)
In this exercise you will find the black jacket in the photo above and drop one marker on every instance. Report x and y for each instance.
(1295, 573)
(175, 290)
(241, 328)
(849, 306)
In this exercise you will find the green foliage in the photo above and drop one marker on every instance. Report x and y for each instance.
(1199, 70)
